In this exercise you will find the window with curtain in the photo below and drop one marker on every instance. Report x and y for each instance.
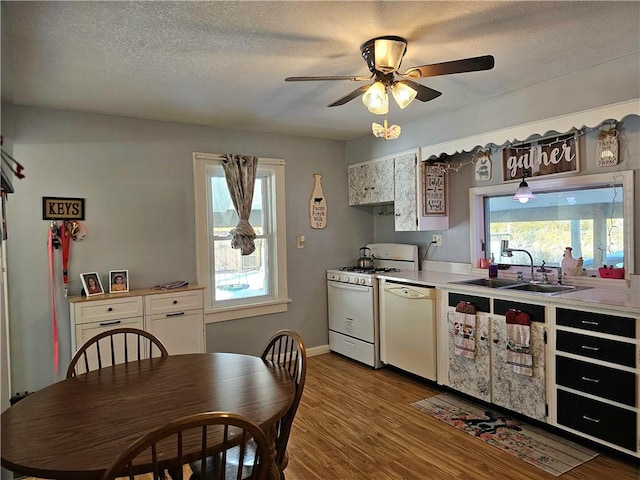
(240, 285)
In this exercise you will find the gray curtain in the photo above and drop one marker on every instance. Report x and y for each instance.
(240, 173)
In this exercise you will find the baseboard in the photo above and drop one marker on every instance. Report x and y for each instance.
(319, 350)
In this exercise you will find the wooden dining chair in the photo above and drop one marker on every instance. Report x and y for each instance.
(286, 348)
(120, 345)
(194, 437)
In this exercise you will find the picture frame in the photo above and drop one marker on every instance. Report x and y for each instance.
(118, 281)
(91, 284)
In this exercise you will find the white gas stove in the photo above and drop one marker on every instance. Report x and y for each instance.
(352, 294)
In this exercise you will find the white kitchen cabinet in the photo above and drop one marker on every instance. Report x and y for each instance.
(371, 182)
(405, 204)
(93, 315)
(487, 376)
(176, 317)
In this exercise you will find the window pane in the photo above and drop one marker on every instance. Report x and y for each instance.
(238, 276)
(588, 220)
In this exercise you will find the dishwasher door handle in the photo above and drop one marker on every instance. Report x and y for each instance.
(406, 292)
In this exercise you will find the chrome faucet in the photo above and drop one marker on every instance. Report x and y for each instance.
(508, 252)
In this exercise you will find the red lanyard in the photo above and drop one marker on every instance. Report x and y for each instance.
(54, 319)
(65, 240)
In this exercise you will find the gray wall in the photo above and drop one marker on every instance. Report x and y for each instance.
(136, 177)
(589, 88)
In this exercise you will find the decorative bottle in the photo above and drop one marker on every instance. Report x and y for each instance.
(317, 204)
(493, 268)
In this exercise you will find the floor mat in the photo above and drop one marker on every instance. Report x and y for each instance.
(536, 446)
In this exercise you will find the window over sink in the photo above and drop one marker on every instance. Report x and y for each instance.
(593, 214)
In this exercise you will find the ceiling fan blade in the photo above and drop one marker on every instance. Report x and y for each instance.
(347, 98)
(315, 79)
(474, 64)
(424, 93)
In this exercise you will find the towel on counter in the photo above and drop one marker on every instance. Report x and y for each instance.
(464, 330)
(519, 342)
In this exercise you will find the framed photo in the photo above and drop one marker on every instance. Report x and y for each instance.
(118, 281)
(91, 283)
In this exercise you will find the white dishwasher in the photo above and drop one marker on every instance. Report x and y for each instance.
(408, 327)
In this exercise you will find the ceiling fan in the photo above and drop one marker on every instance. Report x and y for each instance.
(384, 56)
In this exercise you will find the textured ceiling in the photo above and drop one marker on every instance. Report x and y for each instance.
(223, 63)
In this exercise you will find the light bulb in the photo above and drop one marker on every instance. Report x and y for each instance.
(403, 94)
(375, 98)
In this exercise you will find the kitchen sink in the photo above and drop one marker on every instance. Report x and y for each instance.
(489, 282)
(536, 288)
(544, 288)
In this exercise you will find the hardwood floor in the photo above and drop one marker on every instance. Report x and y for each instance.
(355, 423)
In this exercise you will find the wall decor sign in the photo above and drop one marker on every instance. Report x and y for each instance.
(59, 208)
(541, 158)
(434, 189)
(607, 147)
(483, 166)
(317, 204)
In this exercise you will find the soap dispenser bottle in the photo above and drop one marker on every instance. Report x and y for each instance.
(493, 268)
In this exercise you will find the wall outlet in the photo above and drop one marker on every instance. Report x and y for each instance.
(437, 239)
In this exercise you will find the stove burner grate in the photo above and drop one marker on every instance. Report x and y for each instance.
(356, 269)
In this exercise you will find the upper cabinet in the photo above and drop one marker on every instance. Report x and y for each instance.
(399, 181)
(371, 182)
(405, 201)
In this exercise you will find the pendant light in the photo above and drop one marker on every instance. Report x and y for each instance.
(523, 193)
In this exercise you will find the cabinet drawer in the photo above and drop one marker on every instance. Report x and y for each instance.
(607, 422)
(173, 302)
(596, 347)
(604, 382)
(105, 310)
(481, 303)
(597, 322)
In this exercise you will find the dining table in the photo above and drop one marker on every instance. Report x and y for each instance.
(74, 428)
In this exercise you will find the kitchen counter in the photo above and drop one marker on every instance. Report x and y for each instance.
(623, 299)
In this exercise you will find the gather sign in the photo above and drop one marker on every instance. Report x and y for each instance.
(538, 158)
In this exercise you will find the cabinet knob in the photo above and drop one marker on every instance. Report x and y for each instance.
(110, 309)
(175, 302)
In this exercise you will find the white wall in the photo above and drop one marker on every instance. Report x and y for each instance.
(136, 177)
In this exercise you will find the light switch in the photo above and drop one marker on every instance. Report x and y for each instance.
(300, 241)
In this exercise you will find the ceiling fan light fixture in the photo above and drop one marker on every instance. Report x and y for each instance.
(388, 53)
(376, 99)
(403, 94)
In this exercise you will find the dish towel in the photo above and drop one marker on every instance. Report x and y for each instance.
(464, 330)
(519, 342)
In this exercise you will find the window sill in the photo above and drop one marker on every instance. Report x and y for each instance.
(214, 315)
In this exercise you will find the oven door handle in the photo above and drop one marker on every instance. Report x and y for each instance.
(350, 286)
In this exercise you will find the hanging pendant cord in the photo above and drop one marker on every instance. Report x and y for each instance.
(54, 319)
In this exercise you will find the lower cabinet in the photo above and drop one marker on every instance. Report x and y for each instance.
(176, 317)
(596, 377)
(487, 376)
